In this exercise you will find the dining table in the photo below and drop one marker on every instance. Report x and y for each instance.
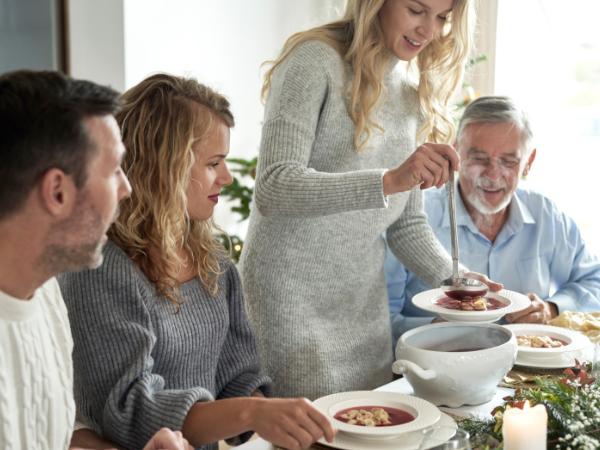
(531, 363)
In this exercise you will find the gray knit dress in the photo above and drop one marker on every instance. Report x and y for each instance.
(139, 365)
(312, 264)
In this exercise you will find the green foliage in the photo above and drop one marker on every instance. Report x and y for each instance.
(483, 435)
(238, 191)
(572, 404)
(474, 61)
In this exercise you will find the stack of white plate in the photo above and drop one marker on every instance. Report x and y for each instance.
(429, 428)
(577, 346)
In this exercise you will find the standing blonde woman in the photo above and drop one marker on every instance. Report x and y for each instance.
(340, 165)
(160, 330)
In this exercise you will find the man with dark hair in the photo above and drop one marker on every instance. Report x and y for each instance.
(60, 184)
(43, 127)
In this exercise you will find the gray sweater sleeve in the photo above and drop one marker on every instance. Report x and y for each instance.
(413, 242)
(285, 184)
(238, 370)
(116, 389)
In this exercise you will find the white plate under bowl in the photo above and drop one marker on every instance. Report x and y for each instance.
(575, 340)
(426, 414)
(442, 431)
(556, 361)
(426, 300)
(561, 363)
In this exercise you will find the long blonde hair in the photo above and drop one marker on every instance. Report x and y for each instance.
(160, 122)
(358, 38)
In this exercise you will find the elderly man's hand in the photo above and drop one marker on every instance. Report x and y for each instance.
(538, 312)
(492, 285)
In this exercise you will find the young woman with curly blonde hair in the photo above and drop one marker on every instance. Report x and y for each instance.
(348, 143)
(160, 329)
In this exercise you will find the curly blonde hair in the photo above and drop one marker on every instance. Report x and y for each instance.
(160, 121)
(359, 40)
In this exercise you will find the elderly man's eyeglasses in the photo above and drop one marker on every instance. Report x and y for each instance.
(509, 162)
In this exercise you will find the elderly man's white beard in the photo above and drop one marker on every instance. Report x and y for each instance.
(476, 200)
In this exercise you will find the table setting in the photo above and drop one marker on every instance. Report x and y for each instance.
(470, 383)
(542, 409)
(476, 398)
(423, 421)
(476, 385)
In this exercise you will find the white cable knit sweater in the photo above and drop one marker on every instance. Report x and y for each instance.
(37, 410)
(312, 265)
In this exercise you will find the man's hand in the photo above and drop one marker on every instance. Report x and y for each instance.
(166, 439)
(538, 312)
(492, 285)
(428, 166)
(292, 423)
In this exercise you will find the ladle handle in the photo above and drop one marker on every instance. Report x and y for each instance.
(453, 230)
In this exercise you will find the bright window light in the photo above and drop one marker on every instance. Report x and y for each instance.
(548, 60)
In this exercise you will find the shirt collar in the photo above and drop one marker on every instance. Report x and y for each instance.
(518, 215)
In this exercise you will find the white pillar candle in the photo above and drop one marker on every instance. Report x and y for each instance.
(525, 429)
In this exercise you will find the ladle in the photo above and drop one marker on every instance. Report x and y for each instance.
(457, 287)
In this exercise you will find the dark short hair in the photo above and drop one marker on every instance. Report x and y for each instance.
(42, 127)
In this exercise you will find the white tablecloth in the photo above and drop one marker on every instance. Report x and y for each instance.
(403, 387)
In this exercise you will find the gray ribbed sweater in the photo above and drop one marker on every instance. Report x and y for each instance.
(140, 366)
(312, 265)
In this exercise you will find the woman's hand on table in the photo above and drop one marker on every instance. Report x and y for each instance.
(538, 312)
(292, 423)
(428, 166)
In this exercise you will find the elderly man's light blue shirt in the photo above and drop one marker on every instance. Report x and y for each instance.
(539, 250)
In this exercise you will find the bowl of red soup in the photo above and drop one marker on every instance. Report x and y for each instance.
(455, 364)
(479, 309)
(547, 346)
(374, 414)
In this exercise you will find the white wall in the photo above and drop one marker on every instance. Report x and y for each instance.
(221, 43)
(548, 60)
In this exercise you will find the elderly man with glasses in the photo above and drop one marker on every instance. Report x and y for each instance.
(513, 235)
